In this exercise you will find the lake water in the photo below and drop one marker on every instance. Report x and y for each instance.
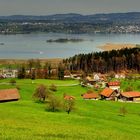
(25, 46)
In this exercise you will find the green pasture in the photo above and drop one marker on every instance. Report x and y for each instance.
(91, 120)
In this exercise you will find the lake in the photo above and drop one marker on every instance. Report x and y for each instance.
(25, 46)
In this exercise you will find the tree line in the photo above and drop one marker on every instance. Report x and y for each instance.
(106, 61)
(33, 69)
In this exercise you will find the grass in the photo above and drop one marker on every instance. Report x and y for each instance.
(98, 120)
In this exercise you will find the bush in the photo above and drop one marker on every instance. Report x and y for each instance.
(18, 87)
(129, 88)
(41, 93)
(123, 111)
(54, 104)
(53, 87)
(69, 105)
(12, 82)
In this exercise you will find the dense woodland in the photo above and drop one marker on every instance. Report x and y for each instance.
(107, 61)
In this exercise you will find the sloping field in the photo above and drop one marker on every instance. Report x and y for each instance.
(91, 120)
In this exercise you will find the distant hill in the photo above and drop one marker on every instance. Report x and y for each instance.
(132, 17)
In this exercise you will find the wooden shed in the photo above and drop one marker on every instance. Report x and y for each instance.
(109, 94)
(9, 95)
(130, 96)
(90, 96)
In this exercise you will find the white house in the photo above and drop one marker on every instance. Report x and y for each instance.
(114, 85)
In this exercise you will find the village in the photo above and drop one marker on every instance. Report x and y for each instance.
(106, 88)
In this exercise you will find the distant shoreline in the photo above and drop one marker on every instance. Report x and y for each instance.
(116, 46)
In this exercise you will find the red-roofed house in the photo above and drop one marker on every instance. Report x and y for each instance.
(109, 94)
(114, 85)
(130, 96)
(90, 96)
(68, 97)
(9, 95)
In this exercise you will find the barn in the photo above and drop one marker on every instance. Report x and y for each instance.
(90, 96)
(109, 94)
(9, 95)
(130, 96)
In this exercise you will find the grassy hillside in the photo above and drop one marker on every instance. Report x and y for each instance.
(98, 120)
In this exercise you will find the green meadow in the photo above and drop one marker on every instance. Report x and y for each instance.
(91, 120)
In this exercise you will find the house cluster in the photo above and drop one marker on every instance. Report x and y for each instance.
(97, 81)
(8, 73)
(112, 92)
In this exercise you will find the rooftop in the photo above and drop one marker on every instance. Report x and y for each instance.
(68, 97)
(9, 94)
(107, 92)
(116, 83)
(131, 94)
(90, 96)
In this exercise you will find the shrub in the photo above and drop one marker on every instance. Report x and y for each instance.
(18, 87)
(129, 88)
(123, 111)
(53, 87)
(69, 105)
(54, 104)
(41, 93)
(12, 82)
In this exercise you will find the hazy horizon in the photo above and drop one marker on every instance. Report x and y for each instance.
(49, 7)
(69, 13)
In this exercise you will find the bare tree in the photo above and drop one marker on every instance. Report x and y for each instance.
(41, 92)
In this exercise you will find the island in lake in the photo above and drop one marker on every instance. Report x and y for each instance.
(1, 43)
(64, 40)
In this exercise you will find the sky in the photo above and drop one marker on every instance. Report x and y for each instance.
(48, 7)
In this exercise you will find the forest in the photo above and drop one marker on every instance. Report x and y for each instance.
(107, 61)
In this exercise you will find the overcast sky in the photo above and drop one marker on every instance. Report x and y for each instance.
(47, 7)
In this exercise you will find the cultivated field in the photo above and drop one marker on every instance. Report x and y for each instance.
(91, 120)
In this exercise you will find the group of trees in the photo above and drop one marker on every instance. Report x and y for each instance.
(53, 103)
(33, 69)
(107, 61)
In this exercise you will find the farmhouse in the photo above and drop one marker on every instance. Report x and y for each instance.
(109, 94)
(130, 96)
(9, 95)
(8, 73)
(90, 96)
(114, 85)
(90, 80)
(68, 97)
(120, 76)
(96, 77)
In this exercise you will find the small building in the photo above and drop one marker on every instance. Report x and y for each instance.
(90, 96)
(67, 74)
(68, 97)
(76, 76)
(130, 96)
(96, 77)
(90, 80)
(9, 95)
(120, 76)
(109, 94)
(114, 85)
(9, 73)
